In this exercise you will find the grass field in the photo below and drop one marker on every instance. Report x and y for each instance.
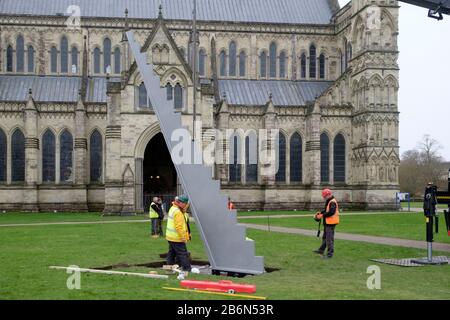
(26, 252)
(419, 205)
(399, 225)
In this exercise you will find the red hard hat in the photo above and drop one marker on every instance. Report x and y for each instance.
(326, 193)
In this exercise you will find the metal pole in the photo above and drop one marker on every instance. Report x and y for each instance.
(194, 36)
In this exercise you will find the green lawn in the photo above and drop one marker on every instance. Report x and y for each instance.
(419, 205)
(400, 225)
(22, 218)
(26, 253)
(272, 213)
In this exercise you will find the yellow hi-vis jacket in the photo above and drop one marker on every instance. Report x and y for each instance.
(334, 219)
(177, 225)
(153, 214)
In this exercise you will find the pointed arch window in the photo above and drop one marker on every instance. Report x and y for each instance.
(54, 60)
(18, 156)
(96, 156)
(296, 158)
(107, 55)
(169, 92)
(312, 61)
(178, 96)
(74, 57)
(251, 158)
(263, 64)
(9, 59)
(303, 66)
(282, 65)
(324, 158)
(20, 54)
(48, 156)
(233, 56)
(202, 62)
(339, 158)
(3, 156)
(30, 57)
(235, 156)
(322, 66)
(273, 60)
(143, 96)
(117, 61)
(281, 159)
(242, 64)
(64, 55)
(223, 64)
(96, 60)
(66, 157)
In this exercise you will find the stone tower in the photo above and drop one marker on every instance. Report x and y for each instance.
(372, 52)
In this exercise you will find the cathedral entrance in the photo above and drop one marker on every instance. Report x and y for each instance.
(160, 176)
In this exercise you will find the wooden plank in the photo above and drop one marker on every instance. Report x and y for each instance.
(108, 272)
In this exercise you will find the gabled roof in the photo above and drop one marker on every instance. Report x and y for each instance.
(51, 89)
(256, 11)
(284, 93)
(160, 25)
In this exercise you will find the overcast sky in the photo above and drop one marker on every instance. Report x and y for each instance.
(424, 98)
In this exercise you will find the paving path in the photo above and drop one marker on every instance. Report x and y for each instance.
(357, 237)
(309, 215)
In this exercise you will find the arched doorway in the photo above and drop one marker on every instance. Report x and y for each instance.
(159, 174)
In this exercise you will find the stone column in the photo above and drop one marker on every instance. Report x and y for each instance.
(113, 168)
(312, 157)
(223, 143)
(30, 194)
(270, 123)
(139, 186)
(313, 146)
(81, 152)
(128, 208)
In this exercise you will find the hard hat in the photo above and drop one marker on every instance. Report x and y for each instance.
(326, 193)
(155, 199)
(183, 199)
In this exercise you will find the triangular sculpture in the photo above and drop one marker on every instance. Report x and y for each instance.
(224, 239)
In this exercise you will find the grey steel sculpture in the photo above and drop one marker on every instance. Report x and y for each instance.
(224, 239)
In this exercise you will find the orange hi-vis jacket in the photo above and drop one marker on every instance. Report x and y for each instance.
(334, 219)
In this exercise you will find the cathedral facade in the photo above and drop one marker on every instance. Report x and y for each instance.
(78, 133)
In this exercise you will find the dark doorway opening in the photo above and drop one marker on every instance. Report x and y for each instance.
(160, 176)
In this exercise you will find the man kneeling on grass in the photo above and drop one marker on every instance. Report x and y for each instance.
(330, 218)
(178, 233)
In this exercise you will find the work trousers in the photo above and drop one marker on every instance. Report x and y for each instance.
(155, 226)
(328, 240)
(160, 227)
(178, 254)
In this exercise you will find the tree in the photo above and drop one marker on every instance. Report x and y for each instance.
(421, 166)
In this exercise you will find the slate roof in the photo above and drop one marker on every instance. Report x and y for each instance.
(256, 11)
(284, 93)
(14, 88)
(51, 88)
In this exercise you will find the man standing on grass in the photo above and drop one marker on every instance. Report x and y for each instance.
(178, 233)
(160, 217)
(155, 210)
(330, 218)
